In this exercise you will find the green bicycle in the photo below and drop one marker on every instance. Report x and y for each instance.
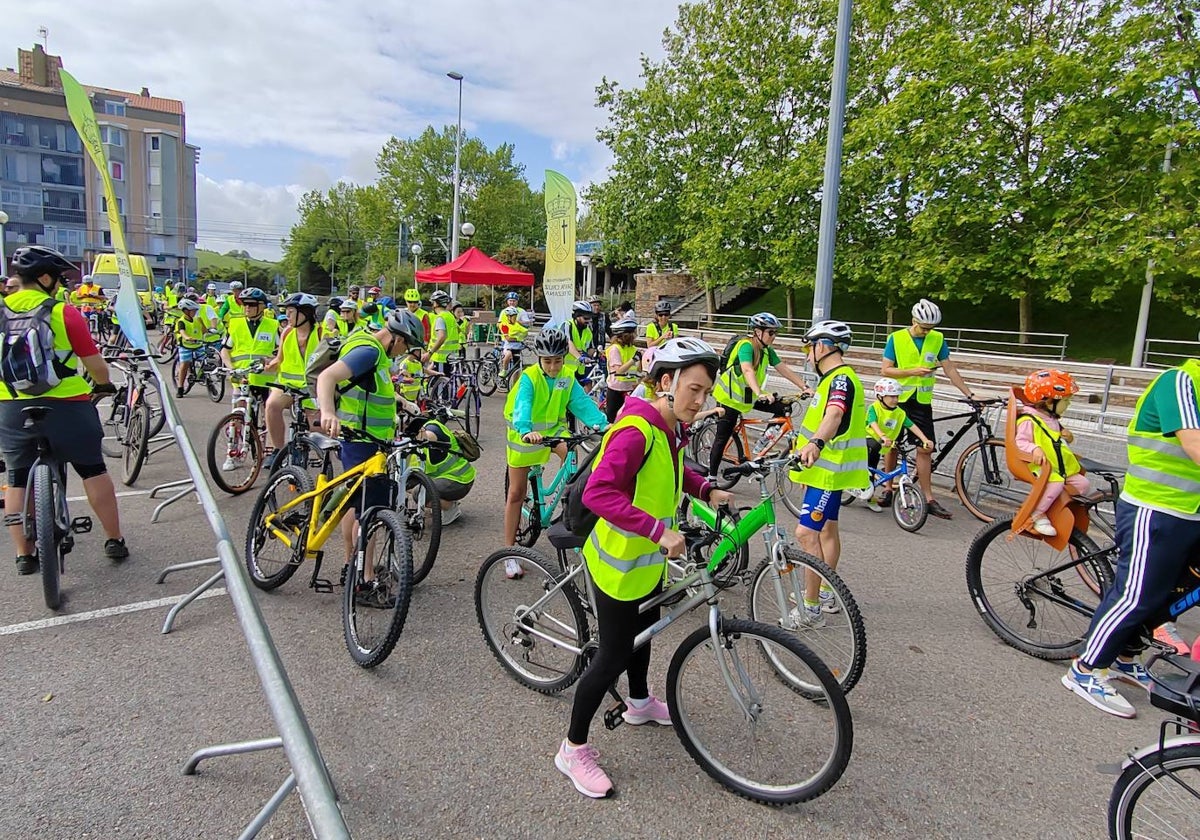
(542, 500)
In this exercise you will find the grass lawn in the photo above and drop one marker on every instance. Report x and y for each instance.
(230, 265)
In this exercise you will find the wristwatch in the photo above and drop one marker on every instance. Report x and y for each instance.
(817, 442)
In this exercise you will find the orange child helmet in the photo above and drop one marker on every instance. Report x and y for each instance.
(1049, 384)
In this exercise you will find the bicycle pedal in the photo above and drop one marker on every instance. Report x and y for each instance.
(67, 542)
(81, 525)
(614, 717)
(323, 586)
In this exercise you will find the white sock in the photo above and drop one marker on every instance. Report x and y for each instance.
(639, 704)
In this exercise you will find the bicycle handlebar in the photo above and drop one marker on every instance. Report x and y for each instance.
(570, 440)
(985, 402)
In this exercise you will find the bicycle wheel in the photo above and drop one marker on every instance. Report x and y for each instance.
(112, 411)
(1041, 614)
(46, 542)
(187, 383)
(841, 637)
(469, 407)
(909, 508)
(701, 446)
(235, 454)
(986, 498)
(791, 493)
(152, 396)
(375, 606)
(1151, 798)
(136, 443)
(529, 527)
(273, 554)
(541, 648)
(487, 375)
(215, 385)
(423, 518)
(748, 731)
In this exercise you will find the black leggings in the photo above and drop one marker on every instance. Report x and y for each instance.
(618, 623)
(613, 402)
(728, 421)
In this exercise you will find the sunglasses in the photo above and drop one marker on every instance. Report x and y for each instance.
(926, 327)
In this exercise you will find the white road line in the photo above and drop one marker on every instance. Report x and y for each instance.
(119, 495)
(57, 621)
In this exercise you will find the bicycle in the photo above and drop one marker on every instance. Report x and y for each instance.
(506, 377)
(909, 506)
(205, 368)
(723, 698)
(46, 518)
(542, 500)
(1158, 791)
(292, 519)
(981, 482)
(241, 436)
(166, 350)
(140, 397)
(777, 435)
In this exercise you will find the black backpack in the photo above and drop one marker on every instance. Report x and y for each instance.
(578, 517)
(28, 363)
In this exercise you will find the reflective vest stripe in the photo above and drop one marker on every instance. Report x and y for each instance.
(1161, 475)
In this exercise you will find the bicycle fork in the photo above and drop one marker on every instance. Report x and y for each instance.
(742, 690)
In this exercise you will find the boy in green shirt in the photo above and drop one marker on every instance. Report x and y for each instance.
(886, 421)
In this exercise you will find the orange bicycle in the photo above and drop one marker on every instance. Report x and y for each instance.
(774, 435)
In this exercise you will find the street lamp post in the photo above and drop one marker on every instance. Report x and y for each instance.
(458, 77)
(416, 254)
(3, 258)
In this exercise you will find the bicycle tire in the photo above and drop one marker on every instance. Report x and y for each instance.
(819, 733)
(1147, 780)
(137, 442)
(152, 396)
(215, 385)
(486, 374)
(367, 651)
(46, 542)
(528, 657)
(165, 351)
(188, 382)
(791, 493)
(701, 446)
(842, 640)
(909, 506)
(470, 417)
(986, 501)
(112, 444)
(992, 592)
(423, 518)
(268, 574)
(217, 443)
(529, 526)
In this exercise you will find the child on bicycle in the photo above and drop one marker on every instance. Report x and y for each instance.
(886, 421)
(536, 408)
(1040, 433)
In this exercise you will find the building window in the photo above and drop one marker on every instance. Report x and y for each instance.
(157, 245)
(117, 109)
(112, 136)
(155, 208)
(73, 143)
(117, 170)
(106, 238)
(120, 205)
(154, 141)
(155, 176)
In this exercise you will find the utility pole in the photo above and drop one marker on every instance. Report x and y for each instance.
(827, 235)
(1143, 321)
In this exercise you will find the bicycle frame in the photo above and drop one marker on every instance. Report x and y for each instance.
(974, 420)
(548, 496)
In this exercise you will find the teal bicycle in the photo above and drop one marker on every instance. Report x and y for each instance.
(542, 500)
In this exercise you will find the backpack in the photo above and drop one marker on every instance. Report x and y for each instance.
(28, 363)
(325, 354)
(727, 353)
(468, 446)
(578, 517)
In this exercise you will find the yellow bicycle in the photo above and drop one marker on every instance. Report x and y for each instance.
(292, 520)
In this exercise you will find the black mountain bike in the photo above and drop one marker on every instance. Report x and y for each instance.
(981, 477)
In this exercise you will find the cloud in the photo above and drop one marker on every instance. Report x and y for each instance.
(245, 216)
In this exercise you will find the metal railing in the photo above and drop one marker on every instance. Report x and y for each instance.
(1165, 353)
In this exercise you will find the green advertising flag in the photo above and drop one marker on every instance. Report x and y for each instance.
(558, 284)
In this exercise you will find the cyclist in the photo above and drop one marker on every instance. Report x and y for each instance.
(252, 340)
(1158, 536)
(912, 357)
(662, 327)
(513, 299)
(536, 408)
(623, 363)
(72, 427)
(638, 478)
(412, 301)
(297, 342)
(332, 323)
(832, 451)
(512, 337)
(445, 341)
(1040, 433)
(189, 335)
(452, 474)
(231, 306)
(464, 323)
(741, 384)
(210, 296)
(579, 337)
(348, 318)
(368, 402)
(599, 325)
(886, 421)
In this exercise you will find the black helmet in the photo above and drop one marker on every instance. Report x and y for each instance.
(253, 295)
(335, 303)
(32, 261)
(403, 323)
(550, 342)
(662, 308)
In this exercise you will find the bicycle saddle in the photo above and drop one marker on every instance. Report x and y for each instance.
(323, 442)
(1171, 692)
(562, 538)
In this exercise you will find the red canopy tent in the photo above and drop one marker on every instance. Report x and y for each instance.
(475, 268)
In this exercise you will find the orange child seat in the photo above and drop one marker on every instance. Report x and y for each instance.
(1063, 515)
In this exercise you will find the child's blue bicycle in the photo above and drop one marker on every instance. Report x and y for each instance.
(542, 500)
(909, 507)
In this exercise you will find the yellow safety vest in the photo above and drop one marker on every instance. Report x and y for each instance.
(1161, 475)
(293, 363)
(842, 464)
(547, 416)
(891, 420)
(582, 339)
(190, 331)
(627, 352)
(671, 330)
(408, 366)
(516, 330)
(1059, 456)
(248, 348)
(372, 411)
(907, 356)
(70, 383)
(453, 467)
(452, 343)
(624, 565)
(730, 389)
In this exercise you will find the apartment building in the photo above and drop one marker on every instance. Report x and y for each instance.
(54, 196)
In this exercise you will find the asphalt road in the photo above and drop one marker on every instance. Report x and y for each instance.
(956, 735)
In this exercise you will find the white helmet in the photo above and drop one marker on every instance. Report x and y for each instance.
(511, 312)
(887, 387)
(625, 325)
(677, 353)
(834, 331)
(927, 312)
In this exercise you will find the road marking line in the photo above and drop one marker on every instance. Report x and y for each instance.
(122, 494)
(57, 621)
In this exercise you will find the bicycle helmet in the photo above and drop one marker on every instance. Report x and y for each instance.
(235, 286)
(375, 290)
(354, 290)
(581, 307)
(834, 331)
(927, 312)
(188, 305)
(301, 300)
(679, 353)
(662, 308)
(412, 296)
(511, 312)
(887, 387)
(32, 261)
(371, 308)
(512, 296)
(335, 303)
(348, 305)
(765, 321)
(440, 298)
(403, 323)
(625, 325)
(594, 299)
(211, 287)
(1049, 384)
(550, 342)
(253, 295)
(179, 287)
(191, 295)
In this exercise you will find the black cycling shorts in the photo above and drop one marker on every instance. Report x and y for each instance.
(72, 427)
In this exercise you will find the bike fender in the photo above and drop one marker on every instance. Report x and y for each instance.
(1176, 741)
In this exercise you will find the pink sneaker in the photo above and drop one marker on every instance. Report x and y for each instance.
(579, 765)
(655, 711)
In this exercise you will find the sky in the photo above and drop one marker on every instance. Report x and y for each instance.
(287, 96)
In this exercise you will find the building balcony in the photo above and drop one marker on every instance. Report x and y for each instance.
(62, 214)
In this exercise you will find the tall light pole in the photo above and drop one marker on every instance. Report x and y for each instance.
(416, 253)
(3, 258)
(458, 77)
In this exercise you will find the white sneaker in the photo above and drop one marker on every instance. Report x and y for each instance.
(1042, 526)
(807, 616)
(230, 464)
(513, 569)
(451, 513)
(874, 506)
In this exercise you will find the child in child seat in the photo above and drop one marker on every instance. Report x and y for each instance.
(1040, 433)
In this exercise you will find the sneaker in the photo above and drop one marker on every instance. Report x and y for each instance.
(27, 564)
(1095, 688)
(936, 509)
(230, 464)
(452, 513)
(867, 495)
(829, 601)
(178, 393)
(807, 616)
(886, 499)
(514, 571)
(874, 505)
(1130, 672)
(1044, 527)
(1168, 634)
(373, 594)
(115, 550)
(579, 765)
(655, 711)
